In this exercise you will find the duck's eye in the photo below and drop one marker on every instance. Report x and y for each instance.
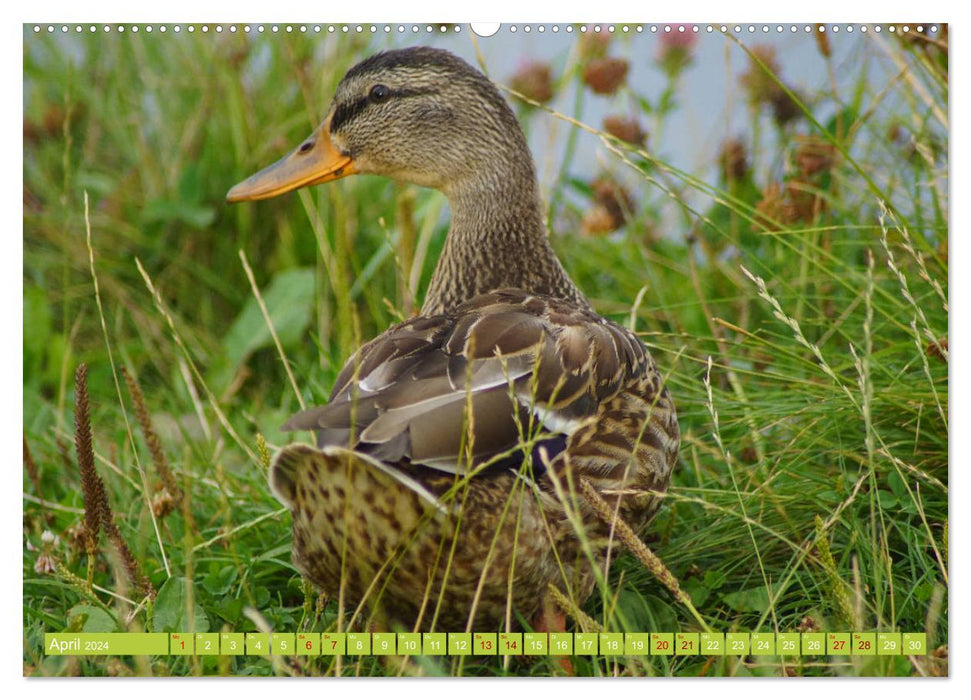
(379, 93)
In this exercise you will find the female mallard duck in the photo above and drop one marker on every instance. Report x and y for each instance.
(445, 492)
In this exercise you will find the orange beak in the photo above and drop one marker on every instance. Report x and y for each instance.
(315, 161)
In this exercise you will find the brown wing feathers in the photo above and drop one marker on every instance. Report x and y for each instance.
(406, 395)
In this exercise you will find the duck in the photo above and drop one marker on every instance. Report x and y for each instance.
(444, 489)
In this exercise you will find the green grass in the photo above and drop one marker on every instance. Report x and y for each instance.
(802, 329)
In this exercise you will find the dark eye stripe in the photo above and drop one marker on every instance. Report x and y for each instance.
(348, 111)
(345, 112)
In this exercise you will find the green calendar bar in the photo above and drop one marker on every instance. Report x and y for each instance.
(106, 644)
(637, 644)
(358, 643)
(511, 644)
(685, 644)
(182, 644)
(232, 643)
(384, 643)
(787, 644)
(611, 643)
(333, 644)
(914, 643)
(283, 644)
(459, 643)
(207, 643)
(409, 643)
(561, 644)
(536, 644)
(838, 643)
(864, 644)
(888, 644)
(434, 643)
(585, 643)
(485, 644)
(712, 643)
(762, 643)
(737, 643)
(257, 644)
(662, 644)
(308, 644)
(813, 644)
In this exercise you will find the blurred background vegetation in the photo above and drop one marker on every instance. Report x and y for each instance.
(789, 274)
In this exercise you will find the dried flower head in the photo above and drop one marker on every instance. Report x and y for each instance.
(597, 221)
(675, 48)
(822, 40)
(733, 160)
(758, 81)
(814, 155)
(784, 107)
(594, 45)
(534, 80)
(626, 129)
(764, 85)
(790, 202)
(804, 202)
(605, 75)
(163, 503)
(937, 349)
(91, 486)
(46, 563)
(611, 208)
(772, 205)
(807, 624)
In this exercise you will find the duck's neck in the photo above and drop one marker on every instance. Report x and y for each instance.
(497, 239)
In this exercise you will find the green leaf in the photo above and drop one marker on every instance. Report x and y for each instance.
(229, 609)
(896, 485)
(715, 579)
(169, 614)
(841, 123)
(91, 619)
(219, 583)
(749, 600)
(887, 500)
(289, 301)
(166, 211)
(261, 596)
(37, 329)
(698, 591)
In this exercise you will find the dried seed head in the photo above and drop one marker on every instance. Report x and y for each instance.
(807, 624)
(733, 160)
(90, 482)
(46, 563)
(625, 129)
(163, 503)
(822, 41)
(758, 81)
(611, 209)
(594, 45)
(159, 461)
(597, 221)
(605, 75)
(675, 48)
(535, 81)
(814, 155)
(784, 108)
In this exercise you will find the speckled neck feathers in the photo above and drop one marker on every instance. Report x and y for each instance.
(498, 240)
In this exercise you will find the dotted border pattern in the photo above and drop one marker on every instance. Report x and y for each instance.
(511, 28)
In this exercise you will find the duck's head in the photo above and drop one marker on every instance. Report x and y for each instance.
(420, 115)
